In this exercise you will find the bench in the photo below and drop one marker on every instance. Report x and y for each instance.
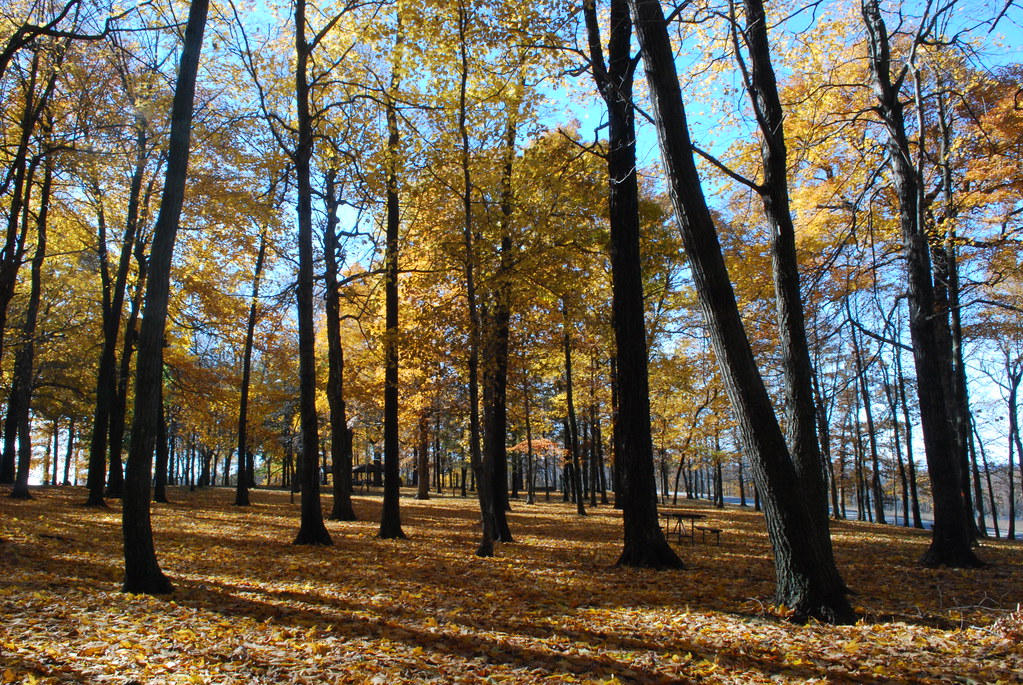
(716, 532)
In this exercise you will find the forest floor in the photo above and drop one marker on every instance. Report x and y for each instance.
(249, 607)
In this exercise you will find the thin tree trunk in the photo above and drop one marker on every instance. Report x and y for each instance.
(570, 420)
(341, 434)
(990, 488)
(868, 411)
(70, 452)
(241, 496)
(9, 459)
(390, 519)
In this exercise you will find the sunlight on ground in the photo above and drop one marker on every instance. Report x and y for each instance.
(249, 607)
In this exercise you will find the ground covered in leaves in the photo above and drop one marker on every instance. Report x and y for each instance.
(249, 607)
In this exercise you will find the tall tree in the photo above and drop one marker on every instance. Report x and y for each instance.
(390, 518)
(644, 544)
(241, 497)
(24, 364)
(762, 86)
(142, 573)
(951, 543)
(341, 434)
(312, 530)
(807, 580)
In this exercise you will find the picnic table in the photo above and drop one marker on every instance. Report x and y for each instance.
(682, 524)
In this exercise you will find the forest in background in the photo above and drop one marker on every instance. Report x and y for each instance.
(446, 186)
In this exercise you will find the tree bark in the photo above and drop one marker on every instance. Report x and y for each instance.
(241, 495)
(24, 362)
(644, 544)
(312, 530)
(951, 544)
(482, 468)
(142, 573)
(390, 519)
(571, 425)
(808, 581)
(495, 375)
(340, 433)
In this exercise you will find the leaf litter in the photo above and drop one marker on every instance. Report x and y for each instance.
(249, 607)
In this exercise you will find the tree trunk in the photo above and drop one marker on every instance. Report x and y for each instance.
(951, 544)
(390, 519)
(69, 452)
(162, 457)
(9, 460)
(808, 581)
(423, 457)
(24, 361)
(312, 530)
(482, 468)
(572, 430)
(20, 176)
(142, 573)
(868, 411)
(341, 434)
(644, 544)
(241, 496)
(797, 368)
(495, 375)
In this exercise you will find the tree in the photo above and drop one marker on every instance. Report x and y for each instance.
(951, 544)
(142, 573)
(390, 519)
(808, 581)
(312, 530)
(24, 365)
(644, 543)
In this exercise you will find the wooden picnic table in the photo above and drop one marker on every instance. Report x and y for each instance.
(675, 523)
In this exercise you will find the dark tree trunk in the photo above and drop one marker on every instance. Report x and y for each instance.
(312, 530)
(9, 460)
(119, 406)
(800, 410)
(69, 453)
(24, 360)
(390, 520)
(808, 581)
(868, 412)
(142, 573)
(241, 495)
(948, 277)
(423, 457)
(482, 468)
(951, 544)
(341, 434)
(644, 544)
(495, 375)
(571, 426)
(110, 404)
(19, 175)
(1015, 443)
